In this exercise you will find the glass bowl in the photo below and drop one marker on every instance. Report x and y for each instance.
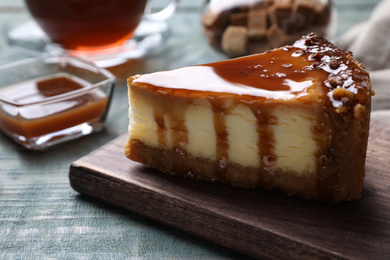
(48, 100)
(242, 27)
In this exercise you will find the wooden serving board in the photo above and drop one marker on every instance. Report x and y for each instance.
(257, 223)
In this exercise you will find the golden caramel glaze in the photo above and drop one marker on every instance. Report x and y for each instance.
(281, 74)
(312, 74)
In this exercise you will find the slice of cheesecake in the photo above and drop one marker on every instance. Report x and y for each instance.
(294, 119)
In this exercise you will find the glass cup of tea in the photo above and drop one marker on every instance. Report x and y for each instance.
(90, 27)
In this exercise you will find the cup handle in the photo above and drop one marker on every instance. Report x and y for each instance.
(165, 13)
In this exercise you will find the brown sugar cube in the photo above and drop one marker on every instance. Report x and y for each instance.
(257, 23)
(209, 19)
(239, 19)
(276, 36)
(280, 11)
(216, 21)
(281, 15)
(304, 11)
(234, 40)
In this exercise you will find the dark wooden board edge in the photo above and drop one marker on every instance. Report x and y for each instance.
(242, 237)
(206, 219)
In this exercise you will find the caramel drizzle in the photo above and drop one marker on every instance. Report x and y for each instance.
(161, 128)
(265, 144)
(222, 140)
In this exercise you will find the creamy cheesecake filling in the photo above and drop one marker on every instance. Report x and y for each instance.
(295, 145)
(143, 126)
(243, 142)
(283, 140)
(202, 140)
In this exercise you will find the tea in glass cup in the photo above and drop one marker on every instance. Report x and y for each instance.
(92, 25)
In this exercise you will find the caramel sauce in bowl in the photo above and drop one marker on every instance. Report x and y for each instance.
(55, 99)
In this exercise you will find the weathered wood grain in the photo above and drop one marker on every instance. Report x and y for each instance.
(253, 222)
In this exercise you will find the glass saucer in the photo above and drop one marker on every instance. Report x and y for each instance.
(29, 39)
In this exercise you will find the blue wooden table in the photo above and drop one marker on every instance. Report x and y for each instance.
(42, 217)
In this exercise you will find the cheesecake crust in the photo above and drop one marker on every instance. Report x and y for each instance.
(236, 175)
